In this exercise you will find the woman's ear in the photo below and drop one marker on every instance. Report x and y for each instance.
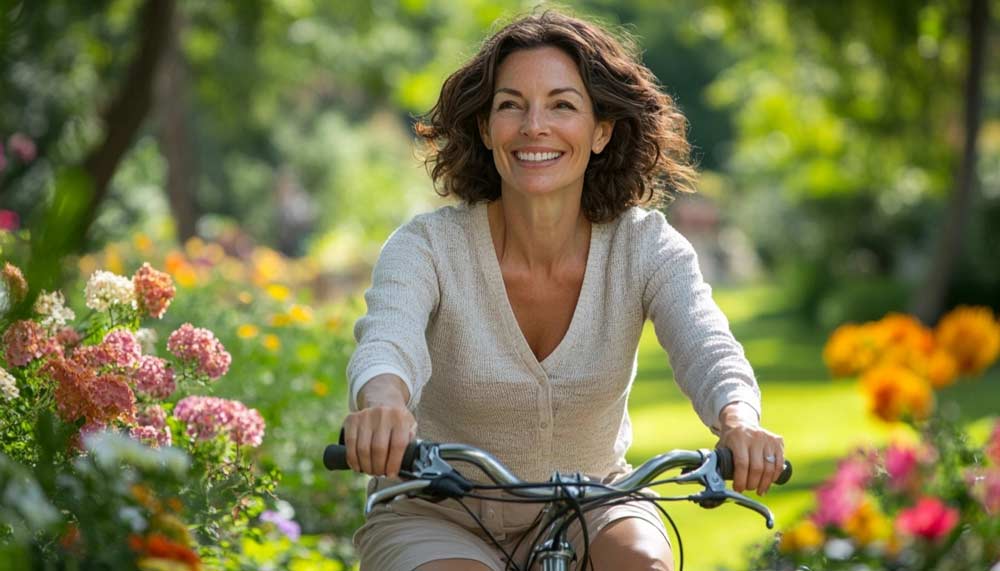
(602, 135)
(484, 132)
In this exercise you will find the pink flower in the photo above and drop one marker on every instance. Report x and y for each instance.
(22, 146)
(151, 436)
(153, 415)
(17, 286)
(191, 343)
(25, 341)
(993, 446)
(839, 497)
(9, 220)
(122, 348)
(68, 337)
(80, 392)
(901, 464)
(153, 289)
(930, 519)
(207, 417)
(154, 378)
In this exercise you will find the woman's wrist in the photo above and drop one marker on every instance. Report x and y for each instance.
(383, 390)
(738, 413)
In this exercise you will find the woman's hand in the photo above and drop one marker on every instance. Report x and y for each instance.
(377, 435)
(758, 454)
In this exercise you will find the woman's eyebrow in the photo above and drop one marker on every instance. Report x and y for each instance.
(555, 91)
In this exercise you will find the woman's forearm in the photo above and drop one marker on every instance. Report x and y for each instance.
(383, 390)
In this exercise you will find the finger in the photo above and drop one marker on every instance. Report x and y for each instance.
(397, 447)
(741, 463)
(756, 466)
(365, 450)
(767, 476)
(380, 449)
(351, 442)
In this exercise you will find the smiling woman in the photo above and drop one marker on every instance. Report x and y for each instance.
(511, 321)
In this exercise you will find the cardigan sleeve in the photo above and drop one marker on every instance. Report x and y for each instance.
(391, 336)
(709, 364)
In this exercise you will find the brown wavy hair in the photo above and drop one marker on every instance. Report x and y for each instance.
(646, 160)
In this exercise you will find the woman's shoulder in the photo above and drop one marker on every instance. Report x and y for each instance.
(446, 221)
(640, 228)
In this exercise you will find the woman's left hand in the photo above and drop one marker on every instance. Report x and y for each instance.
(758, 454)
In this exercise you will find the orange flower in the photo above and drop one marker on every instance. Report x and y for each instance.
(867, 524)
(805, 536)
(851, 349)
(942, 369)
(972, 336)
(895, 392)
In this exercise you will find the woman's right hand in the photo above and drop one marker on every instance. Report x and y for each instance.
(377, 435)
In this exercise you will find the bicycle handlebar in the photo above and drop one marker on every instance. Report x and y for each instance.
(335, 458)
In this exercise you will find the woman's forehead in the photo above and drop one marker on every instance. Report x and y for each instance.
(544, 69)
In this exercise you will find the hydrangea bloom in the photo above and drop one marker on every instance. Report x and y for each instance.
(68, 337)
(199, 345)
(208, 416)
(8, 385)
(152, 428)
(80, 392)
(122, 348)
(17, 286)
(53, 311)
(154, 378)
(25, 341)
(153, 415)
(105, 289)
(153, 289)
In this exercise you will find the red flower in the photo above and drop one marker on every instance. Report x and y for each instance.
(930, 519)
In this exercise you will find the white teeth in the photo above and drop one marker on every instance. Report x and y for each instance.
(536, 157)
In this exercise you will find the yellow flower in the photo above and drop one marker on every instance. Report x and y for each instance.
(805, 536)
(894, 392)
(182, 271)
(213, 253)
(113, 260)
(320, 388)
(972, 336)
(244, 297)
(142, 243)
(280, 320)
(333, 323)
(271, 342)
(194, 247)
(867, 524)
(88, 265)
(278, 292)
(300, 313)
(247, 331)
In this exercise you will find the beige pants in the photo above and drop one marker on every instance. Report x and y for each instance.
(408, 532)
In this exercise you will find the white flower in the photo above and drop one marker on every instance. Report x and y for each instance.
(147, 338)
(105, 289)
(8, 385)
(838, 549)
(52, 308)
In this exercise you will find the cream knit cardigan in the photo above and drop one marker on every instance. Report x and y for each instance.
(439, 318)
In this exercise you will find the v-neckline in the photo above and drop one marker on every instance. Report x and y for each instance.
(498, 289)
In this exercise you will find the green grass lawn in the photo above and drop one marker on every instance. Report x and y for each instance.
(820, 420)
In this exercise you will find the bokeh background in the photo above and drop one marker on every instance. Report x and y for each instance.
(261, 152)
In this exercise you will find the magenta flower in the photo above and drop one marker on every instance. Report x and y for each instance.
(984, 484)
(901, 464)
(839, 497)
(207, 417)
(154, 377)
(287, 527)
(200, 346)
(9, 220)
(930, 519)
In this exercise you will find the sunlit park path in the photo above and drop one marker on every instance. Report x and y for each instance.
(820, 419)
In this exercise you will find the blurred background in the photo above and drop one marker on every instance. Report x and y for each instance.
(261, 152)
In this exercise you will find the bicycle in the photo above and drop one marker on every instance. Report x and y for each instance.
(429, 475)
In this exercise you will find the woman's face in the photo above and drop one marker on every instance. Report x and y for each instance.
(541, 127)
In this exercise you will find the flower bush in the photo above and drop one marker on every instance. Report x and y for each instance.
(103, 374)
(928, 503)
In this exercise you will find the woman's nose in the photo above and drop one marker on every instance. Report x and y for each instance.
(535, 122)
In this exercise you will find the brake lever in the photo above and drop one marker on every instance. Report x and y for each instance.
(716, 492)
(431, 473)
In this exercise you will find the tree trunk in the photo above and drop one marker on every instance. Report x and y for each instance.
(124, 116)
(175, 136)
(930, 299)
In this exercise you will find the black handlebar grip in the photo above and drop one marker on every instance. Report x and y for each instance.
(726, 466)
(335, 457)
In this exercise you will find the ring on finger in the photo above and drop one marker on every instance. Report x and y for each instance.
(770, 459)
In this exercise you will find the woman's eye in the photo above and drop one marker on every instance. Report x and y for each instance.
(506, 105)
(564, 105)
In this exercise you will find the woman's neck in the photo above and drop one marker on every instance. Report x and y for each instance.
(539, 235)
